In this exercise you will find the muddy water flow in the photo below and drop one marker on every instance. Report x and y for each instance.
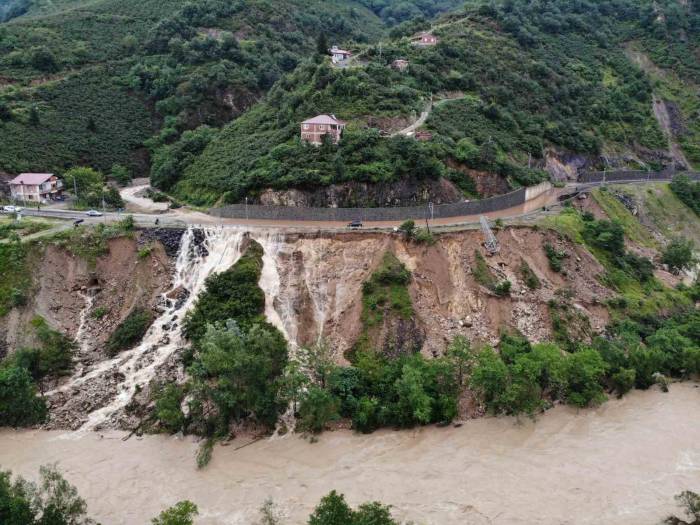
(617, 464)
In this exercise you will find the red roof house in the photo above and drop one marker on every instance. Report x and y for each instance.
(314, 129)
(37, 187)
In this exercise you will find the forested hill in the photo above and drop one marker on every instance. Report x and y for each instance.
(207, 97)
(90, 82)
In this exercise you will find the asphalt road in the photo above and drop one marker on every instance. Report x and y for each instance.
(181, 218)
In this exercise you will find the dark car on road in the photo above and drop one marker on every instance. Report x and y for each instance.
(355, 225)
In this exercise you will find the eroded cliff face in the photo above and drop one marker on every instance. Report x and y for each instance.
(87, 302)
(321, 278)
(313, 285)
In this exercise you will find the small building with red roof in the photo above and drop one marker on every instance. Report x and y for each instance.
(314, 129)
(36, 187)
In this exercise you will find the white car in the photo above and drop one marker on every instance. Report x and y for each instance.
(93, 213)
(12, 209)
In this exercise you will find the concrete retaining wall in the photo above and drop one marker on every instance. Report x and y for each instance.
(457, 209)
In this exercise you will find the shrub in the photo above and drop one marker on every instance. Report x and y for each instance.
(529, 277)
(502, 289)
(19, 404)
(168, 409)
(233, 294)
(623, 381)
(318, 408)
(99, 312)
(130, 331)
(482, 273)
(145, 252)
(424, 236)
(679, 255)
(182, 513)
(408, 228)
(555, 257)
(584, 373)
(53, 358)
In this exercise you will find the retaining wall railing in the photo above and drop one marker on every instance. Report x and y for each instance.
(438, 211)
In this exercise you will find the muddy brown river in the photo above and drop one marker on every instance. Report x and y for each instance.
(617, 464)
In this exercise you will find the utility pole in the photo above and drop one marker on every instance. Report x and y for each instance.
(490, 241)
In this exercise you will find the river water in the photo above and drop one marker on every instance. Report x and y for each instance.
(620, 463)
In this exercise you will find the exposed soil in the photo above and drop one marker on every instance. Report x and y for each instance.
(321, 286)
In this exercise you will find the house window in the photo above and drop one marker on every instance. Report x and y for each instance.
(306, 126)
(322, 127)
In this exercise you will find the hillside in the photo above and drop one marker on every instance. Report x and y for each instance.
(554, 91)
(207, 98)
(90, 82)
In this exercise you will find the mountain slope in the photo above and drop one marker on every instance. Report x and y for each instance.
(533, 82)
(189, 64)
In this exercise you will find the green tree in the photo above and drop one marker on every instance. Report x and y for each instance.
(332, 510)
(413, 404)
(19, 404)
(679, 255)
(240, 373)
(490, 378)
(16, 501)
(43, 59)
(585, 371)
(318, 408)
(53, 502)
(690, 502)
(182, 513)
(60, 501)
(87, 181)
(120, 174)
(168, 407)
(34, 116)
(322, 44)
(373, 513)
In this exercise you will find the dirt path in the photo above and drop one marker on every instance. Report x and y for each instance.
(141, 204)
(410, 130)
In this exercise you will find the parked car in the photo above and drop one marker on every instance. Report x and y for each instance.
(355, 225)
(12, 209)
(93, 213)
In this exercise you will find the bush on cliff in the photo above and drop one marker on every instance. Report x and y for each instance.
(130, 331)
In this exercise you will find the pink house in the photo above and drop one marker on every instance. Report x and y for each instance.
(36, 187)
(314, 129)
(426, 39)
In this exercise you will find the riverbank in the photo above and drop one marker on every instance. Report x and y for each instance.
(620, 464)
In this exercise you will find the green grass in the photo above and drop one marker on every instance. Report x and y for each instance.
(22, 228)
(668, 214)
(568, 223)
(386, 292)
(15, 277)
(616, 211)
(482, 273)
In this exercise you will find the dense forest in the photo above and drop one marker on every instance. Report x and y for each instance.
(206, 98)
